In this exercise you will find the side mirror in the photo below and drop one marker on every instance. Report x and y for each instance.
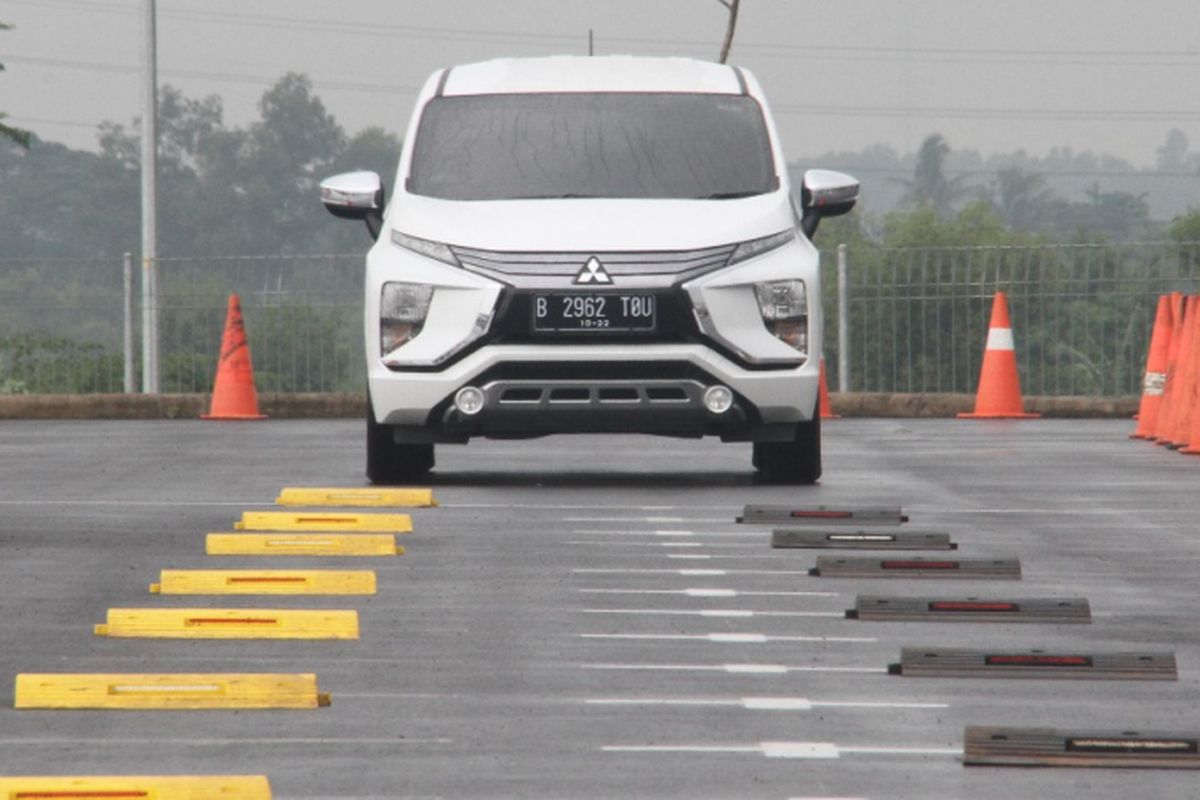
(355, 195)
(825, 194)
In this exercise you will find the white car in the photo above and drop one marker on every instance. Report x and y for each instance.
(586, 245)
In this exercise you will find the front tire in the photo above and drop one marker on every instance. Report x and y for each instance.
(389, 462)
(797, 462)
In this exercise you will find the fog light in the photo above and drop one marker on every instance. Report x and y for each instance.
(718, 399)
(469, 401)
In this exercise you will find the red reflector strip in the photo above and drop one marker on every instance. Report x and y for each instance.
(1038, 661)
(236, 621)
(919, 565)
(1093, 745)
(821, 514)
(966, 606)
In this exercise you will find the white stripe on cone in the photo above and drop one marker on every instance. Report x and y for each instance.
(1000, 339)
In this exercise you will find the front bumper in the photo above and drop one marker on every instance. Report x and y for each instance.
(533, 390)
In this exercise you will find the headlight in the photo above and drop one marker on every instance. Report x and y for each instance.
(756, 247)
(435, 250)
(402, 311)
(784, 308)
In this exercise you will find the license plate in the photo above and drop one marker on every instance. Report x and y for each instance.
(594, 312)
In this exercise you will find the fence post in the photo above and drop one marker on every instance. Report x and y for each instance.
(843, 320)
(130, 380)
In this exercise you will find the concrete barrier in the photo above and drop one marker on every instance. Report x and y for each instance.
(351, 405)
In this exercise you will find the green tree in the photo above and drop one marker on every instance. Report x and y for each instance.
(17, 135)
(929, 185)
(1021, 198)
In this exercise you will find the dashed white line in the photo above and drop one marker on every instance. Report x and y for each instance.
(738, 669)
(758, 703)
(729, 638)
(708, 592)
(623, 545)
(680, 532)
(687, 572)
(702, 520)
(713, 612)
(810, 750)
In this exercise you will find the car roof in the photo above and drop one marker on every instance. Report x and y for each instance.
(592, 74)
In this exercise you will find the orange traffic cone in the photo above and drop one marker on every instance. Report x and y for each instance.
(826, 407)
(999, 393)
(1177, 354)
(234, 396)
(1156, 371)
(1189, 438)
(1187, 377)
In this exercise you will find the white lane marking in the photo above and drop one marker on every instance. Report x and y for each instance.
(722, 557)
(728, 638)
(702, 520)
(755, 703)
(810, 750)
(713, 612)
(902, 751)
(708, 592)
(623, 545)
(687, 572)
(738, 669)
(593, 507)
(681, 532)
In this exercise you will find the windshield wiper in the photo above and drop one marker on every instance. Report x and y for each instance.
(563, 196)
(730, 195)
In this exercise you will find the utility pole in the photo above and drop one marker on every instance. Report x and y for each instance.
(150, 384)
(732, 5)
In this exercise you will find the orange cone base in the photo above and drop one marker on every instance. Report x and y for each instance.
(233, 416)
(999, 416)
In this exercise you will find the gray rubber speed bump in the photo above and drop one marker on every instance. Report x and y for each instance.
(859, 540)
(864, 567)
(1047, 747)
(1051, 610)
(822, 515)
(919, 662)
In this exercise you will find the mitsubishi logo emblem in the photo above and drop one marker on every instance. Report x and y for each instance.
(593, 272)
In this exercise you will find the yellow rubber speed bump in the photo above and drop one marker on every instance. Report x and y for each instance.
(136, 787)
(302, 544)
(239, 581)
(323, 521)
(229, 623)
(358, 498)
(188, 691)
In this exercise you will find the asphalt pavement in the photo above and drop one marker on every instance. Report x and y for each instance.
(581, 617)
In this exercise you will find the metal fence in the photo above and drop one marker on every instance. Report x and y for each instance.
(61, 323)
(916, 318)
(1081, 314)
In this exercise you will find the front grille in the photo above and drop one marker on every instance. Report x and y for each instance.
(568, 264)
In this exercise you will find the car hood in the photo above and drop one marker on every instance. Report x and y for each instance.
(591, 225)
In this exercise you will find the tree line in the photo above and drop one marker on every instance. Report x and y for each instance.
(67, 216)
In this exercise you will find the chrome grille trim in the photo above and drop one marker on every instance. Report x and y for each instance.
(568, 264)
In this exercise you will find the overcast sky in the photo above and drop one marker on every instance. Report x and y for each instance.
(1097, 75)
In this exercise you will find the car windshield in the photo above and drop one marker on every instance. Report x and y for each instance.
(616, 145)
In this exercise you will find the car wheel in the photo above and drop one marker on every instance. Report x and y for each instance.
(389, 462)
(797, 462)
